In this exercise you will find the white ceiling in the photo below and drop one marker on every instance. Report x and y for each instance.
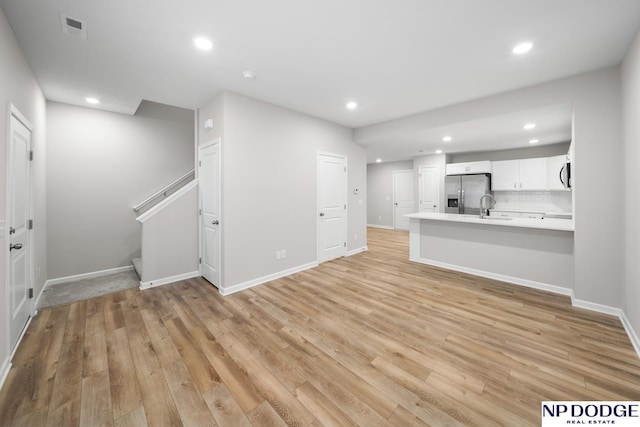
(553, 125)
(394, 58)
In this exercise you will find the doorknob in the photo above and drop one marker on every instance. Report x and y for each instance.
(15, 246)
(321, 213)
(216, 222)
(396, 204)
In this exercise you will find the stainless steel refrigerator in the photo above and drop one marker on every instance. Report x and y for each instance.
(463, 192)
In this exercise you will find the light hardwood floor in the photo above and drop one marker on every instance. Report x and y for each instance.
(368, 340)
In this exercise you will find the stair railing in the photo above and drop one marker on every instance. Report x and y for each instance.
(165, 192)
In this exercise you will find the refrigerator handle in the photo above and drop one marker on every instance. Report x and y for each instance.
(461, 207)
(561, 173)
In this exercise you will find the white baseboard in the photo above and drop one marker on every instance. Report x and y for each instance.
(501, 277)
(357, 251)
(612, 311)
(4, 371)
(24, 331)
(260, 280)
(633, 336)
(592, 306)
(384, 227)
(166, 280)
(6, 365)
(599, 308)
(91, 275)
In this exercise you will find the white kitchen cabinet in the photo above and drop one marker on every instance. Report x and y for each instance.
(505, 175)
(468, 168)
(533, 174)
(554, 167)
(516, 175)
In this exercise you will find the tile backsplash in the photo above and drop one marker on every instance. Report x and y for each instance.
(536, 201)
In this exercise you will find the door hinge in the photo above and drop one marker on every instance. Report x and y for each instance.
(345, 244)
(345, 206)
(199, 260)
(199, 162)
(30, 224)
(200, 211)
(345, 168)
(31, 155)
(30, 293)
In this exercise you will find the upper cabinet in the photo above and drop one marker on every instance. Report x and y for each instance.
(518, 175)
(533, 174)
(468, 168)
(505, 175)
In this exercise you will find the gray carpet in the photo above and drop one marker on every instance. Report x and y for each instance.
(78, 290)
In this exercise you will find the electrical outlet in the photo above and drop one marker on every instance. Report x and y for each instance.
(277, 255)
(283, 254)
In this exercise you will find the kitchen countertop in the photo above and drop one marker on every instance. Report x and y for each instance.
(544, 224)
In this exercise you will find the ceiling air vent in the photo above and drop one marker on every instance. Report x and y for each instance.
(73, 26)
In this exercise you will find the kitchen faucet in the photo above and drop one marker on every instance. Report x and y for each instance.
(481, 204)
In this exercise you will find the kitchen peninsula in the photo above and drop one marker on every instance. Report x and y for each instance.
(537, 253)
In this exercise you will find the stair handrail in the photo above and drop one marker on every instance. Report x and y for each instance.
(165, 191)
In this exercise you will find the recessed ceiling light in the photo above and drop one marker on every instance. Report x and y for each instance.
(352, 105)
(533, 141)
(529, 126)
(447, 138)
(249, 75)
(202, 43)
(92, 101)
(438, 151)
(522, 48)
(378, 160)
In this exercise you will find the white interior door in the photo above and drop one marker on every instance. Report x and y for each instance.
(332, 207)
(429, 189)
(209, 183)
(402, 198)
(18, 215)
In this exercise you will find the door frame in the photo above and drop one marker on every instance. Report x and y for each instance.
(346, 200)
(220, 257)
(12, 111)
(438, 182)
(393, 184)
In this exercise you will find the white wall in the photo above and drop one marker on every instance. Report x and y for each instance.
(599, 251)
(631, 154)
(168, 237)
(380, 191)
(100, 165)
(269, 184)
(508, 251)
(19, 87)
